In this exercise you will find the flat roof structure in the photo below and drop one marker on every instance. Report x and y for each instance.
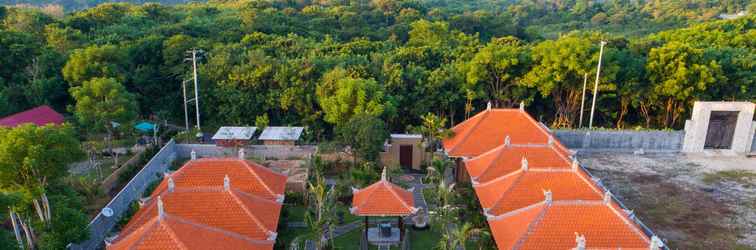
(534, 193)
(235, 133)
(39, 116)
(209, 204)
(281, 133)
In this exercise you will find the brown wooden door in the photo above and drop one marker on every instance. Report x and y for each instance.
(405, 156)
(721, 129)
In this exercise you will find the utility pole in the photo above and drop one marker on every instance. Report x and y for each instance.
(595, 86)
(193, 58)
(582, 100)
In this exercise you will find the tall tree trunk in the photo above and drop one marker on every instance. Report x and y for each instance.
(39, 210)
(46, 206)
(16, 230)
(28, 232)
(624, 104)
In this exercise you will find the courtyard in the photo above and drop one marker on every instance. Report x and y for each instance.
(692, 201)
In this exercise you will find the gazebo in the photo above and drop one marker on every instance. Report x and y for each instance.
(383, 199)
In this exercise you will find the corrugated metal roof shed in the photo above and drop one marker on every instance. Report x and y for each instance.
(235, 133)
(281, 133)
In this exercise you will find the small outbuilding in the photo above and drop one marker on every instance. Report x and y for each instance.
(234, 136)
(281, 135)
(39, 116)
(405, 150)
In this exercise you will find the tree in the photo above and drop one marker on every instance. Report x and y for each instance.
(499, 67)
(94, 61)
(365, 135)
(102, 101)
(341, 98)
(433, 128)
(678, 73)
(321, 217)
(559, 71)
(32, 157)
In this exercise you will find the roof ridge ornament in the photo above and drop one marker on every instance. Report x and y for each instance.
(548, 196)
(551, 140)
(171, 184)
(226, 183)
(242, 154)
(522, 105)
(524, 164)
(488, 105)
(575, 165)
(507, 141)
(656, 243)
(579, 242)
(383, 175)
(607, 196)
(193, 154)
(161, 209)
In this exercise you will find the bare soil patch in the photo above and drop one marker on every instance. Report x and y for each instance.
(692, 202)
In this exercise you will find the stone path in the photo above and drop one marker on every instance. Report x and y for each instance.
(417, 194)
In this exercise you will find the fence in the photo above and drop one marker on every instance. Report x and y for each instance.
(280, 152)
(622, 140)
(101, 225)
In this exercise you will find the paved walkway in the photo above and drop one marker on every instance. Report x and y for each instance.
(417, 183)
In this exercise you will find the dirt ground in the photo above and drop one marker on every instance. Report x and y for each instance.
(690, 201)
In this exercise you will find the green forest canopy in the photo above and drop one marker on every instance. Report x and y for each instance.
(293, 61)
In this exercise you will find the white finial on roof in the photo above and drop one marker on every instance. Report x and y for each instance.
(579, 241)
(575, 165)
(161, 210)
(383, 174)
(547, 194)
(507, 141)
(524, 164)
(488, 105)
(551, 140)
(656, 243)
(194, 154)
(242, 154)
(226, 183)
(280, 198)
(522, 105)
(607, 196)
(272, 235)
(171, 184)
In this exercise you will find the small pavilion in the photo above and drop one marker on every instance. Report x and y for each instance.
(383, 199)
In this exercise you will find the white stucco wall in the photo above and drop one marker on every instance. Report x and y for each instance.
(697, 127)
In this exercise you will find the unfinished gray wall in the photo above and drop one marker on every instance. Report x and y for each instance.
(280, 152)
(101, 226)
(622, 140)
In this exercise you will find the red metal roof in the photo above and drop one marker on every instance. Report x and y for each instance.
(200, 207)
(39, 116)
(383, 198)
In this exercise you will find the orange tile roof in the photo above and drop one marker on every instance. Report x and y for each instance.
(557, 223)
(488, 129)
(524, 188)
(383, 198)
(249, 177)
(506, 159)
(200, 213)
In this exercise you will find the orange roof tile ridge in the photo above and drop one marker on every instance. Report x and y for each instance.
(503, 194)
(153, 224)
(533, 224)
(249, 213)
(264, 184)
(634, 227)
(467, 132)
(173, 236)
(501, 149)
(222, 231)
(583, 176)
(391, 186)
(518, 171)
(515, 212)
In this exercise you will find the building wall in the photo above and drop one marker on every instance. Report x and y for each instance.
(272, 142)
(100, 226)
(621, 140)
(697, 127)
(391, 156)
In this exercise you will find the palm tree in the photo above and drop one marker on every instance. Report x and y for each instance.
(433, 129)
(321, 218)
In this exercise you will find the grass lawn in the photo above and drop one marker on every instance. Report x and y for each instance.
(287, 235)
(424, 239)
(296, 212)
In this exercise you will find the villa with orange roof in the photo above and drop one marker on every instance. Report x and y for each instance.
(209, 204)
(533, 191)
